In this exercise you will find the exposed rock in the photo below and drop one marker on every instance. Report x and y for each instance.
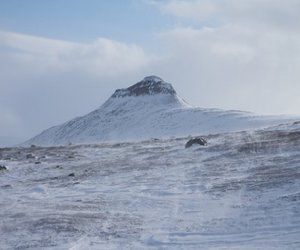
(198, 140)
(37, 162)
(150, 85)
(30, 156)
(71, 175)
(2, 167)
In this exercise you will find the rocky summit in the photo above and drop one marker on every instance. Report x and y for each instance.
(150, 85)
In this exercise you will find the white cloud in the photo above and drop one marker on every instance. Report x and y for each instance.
(102, 57)
(236, 68)
(46, 81)
(235, 54)
(259, 12)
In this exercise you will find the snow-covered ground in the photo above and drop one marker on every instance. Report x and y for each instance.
(241, 191)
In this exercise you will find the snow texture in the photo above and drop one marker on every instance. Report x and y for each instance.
(149, 109)
(241, 191)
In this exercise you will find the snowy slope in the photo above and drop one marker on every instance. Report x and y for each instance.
(149, 109)
(241, 192)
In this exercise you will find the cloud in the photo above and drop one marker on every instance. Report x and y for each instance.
(259, 12)
(235, 54)
(236, 68)
(47, 81)
(101, 57)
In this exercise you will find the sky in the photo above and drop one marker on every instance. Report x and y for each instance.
(63, 59)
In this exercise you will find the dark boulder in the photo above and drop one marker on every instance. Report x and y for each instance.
(2, 167)
(198, 140)
(30, 156)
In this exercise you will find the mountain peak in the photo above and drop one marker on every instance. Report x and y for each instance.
(148, 109)
(150, 85)
(152, 79)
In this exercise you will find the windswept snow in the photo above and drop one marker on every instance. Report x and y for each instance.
(241, 191)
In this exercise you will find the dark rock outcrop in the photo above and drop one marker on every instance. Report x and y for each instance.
(150, 85)
(198, 140)
(2, 167)
(30, 156)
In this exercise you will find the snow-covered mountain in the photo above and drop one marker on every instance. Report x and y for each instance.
(150, 108)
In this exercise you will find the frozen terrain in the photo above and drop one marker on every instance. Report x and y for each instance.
(241, 191)
(150, 108)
